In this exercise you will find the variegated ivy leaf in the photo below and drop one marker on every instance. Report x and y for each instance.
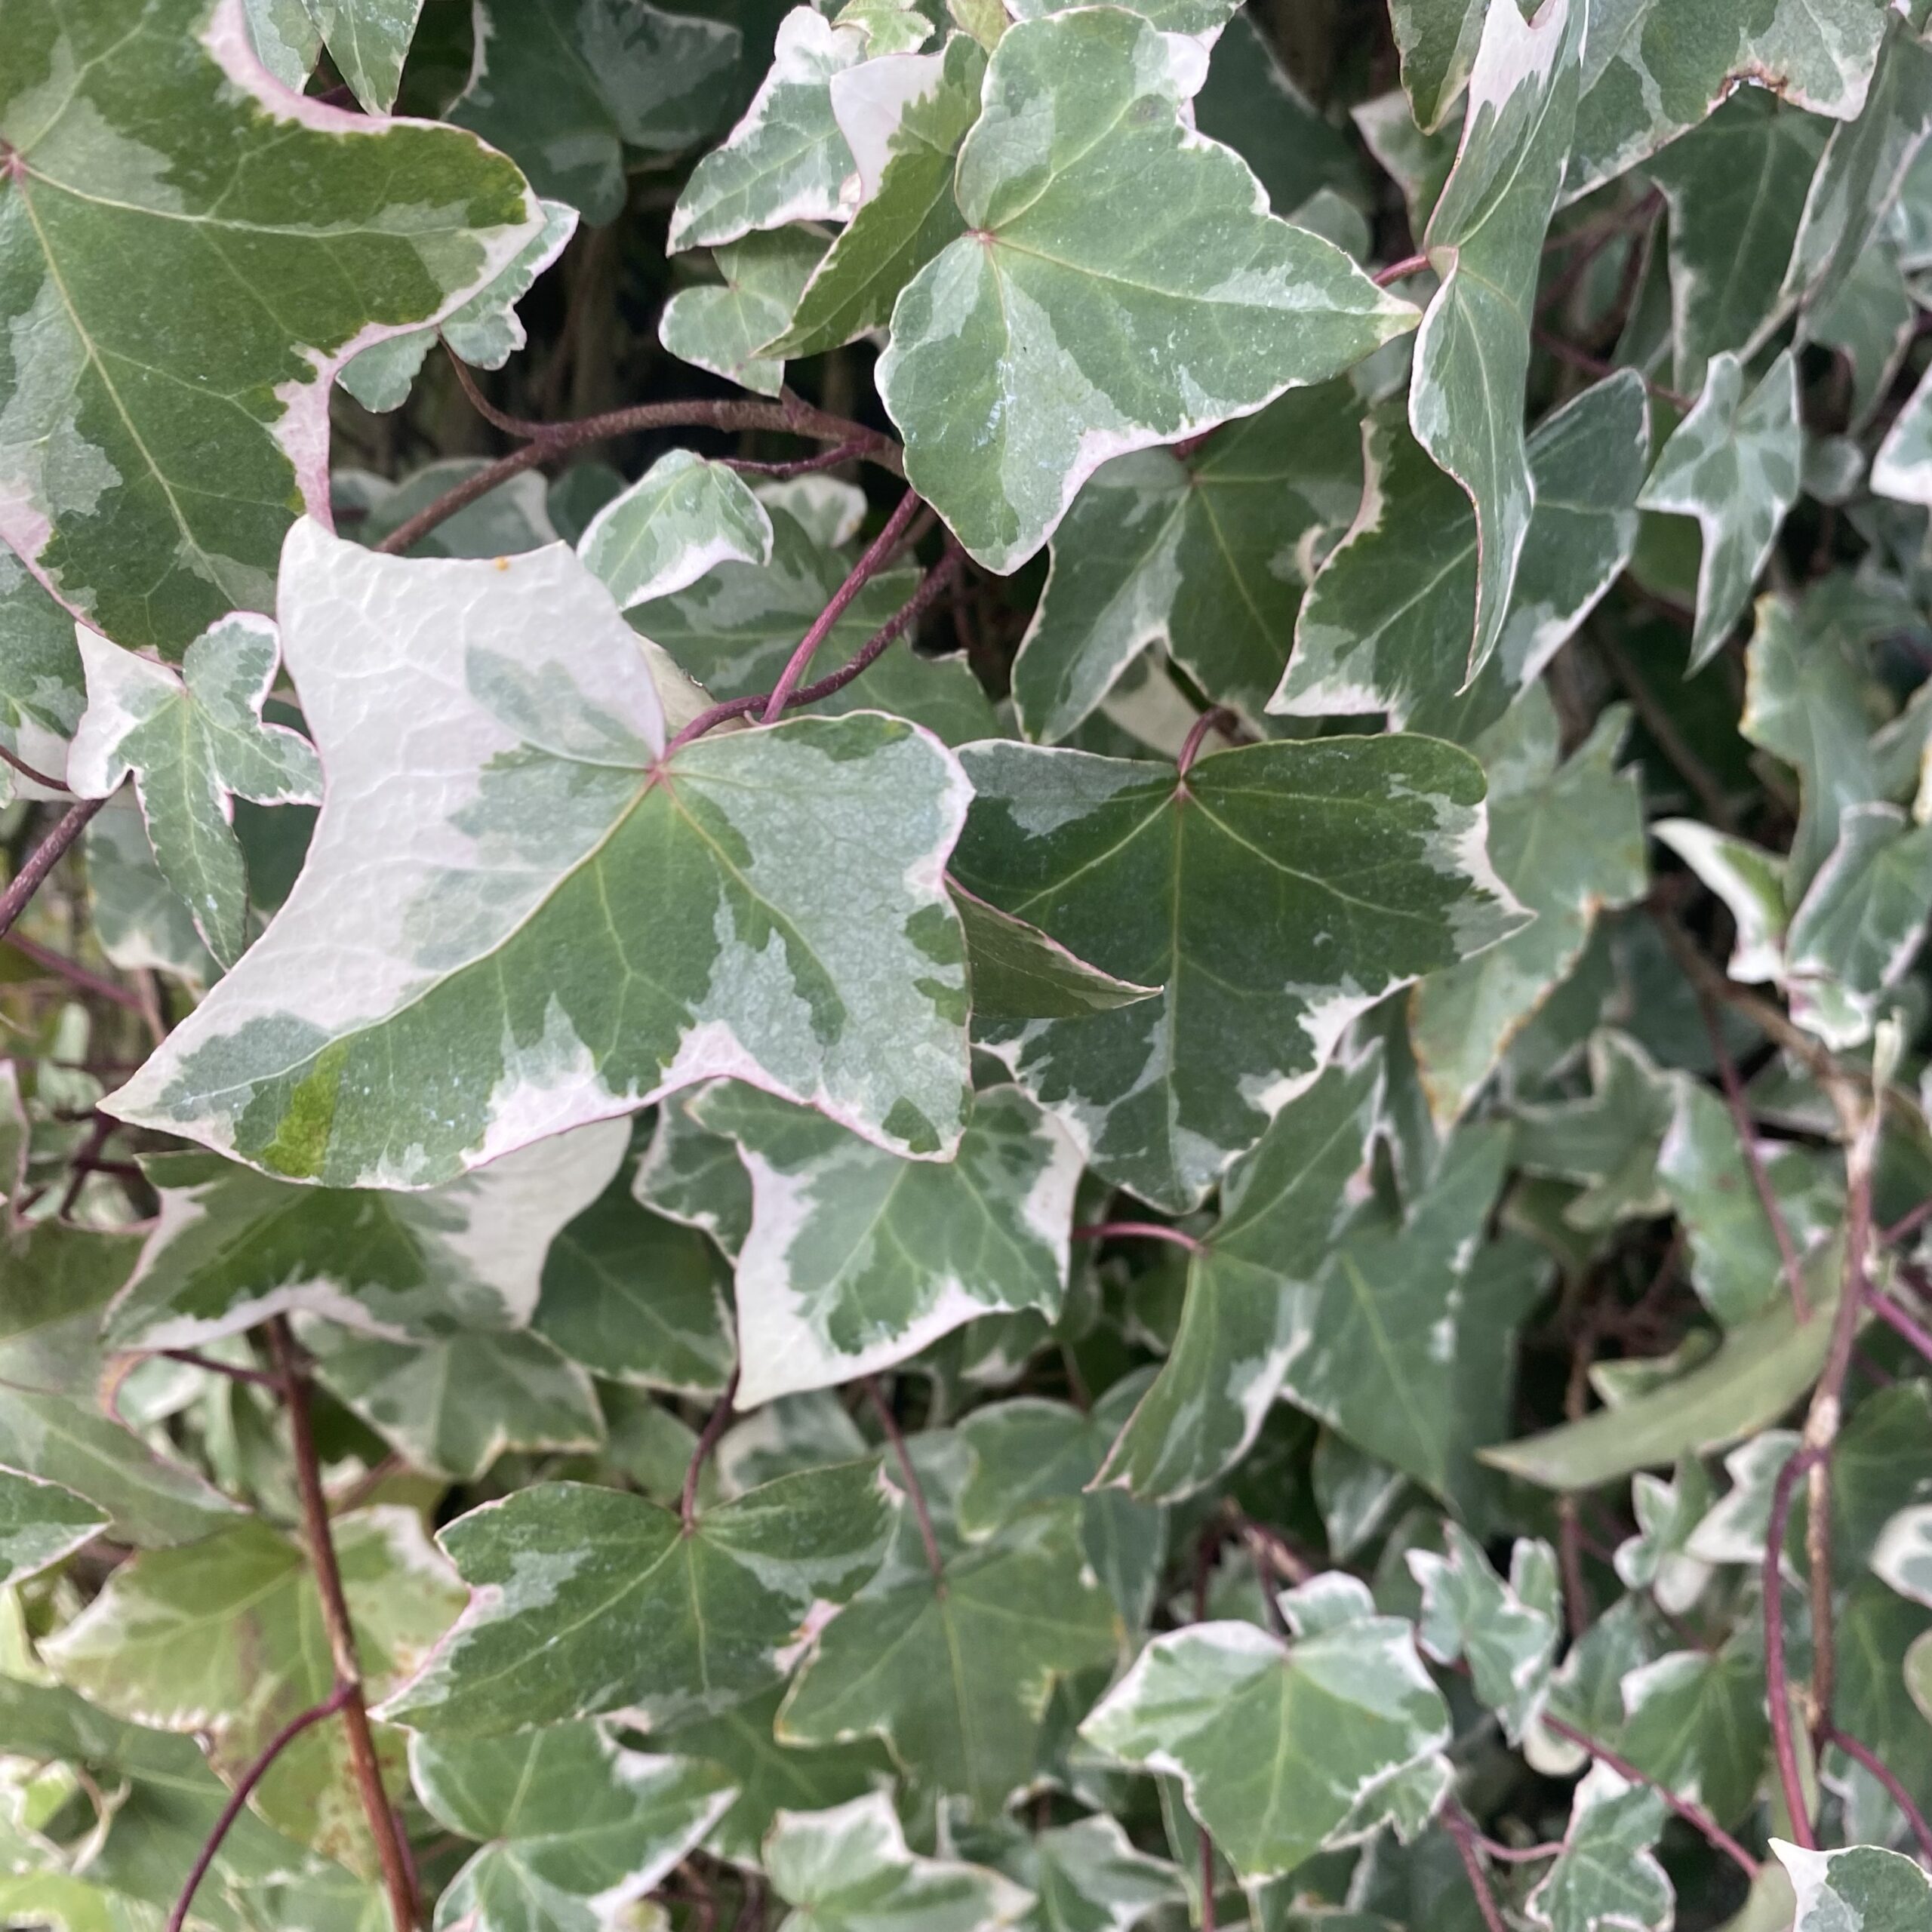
(452, 1406)
(43, 688)
(1659, 1558)
(1860, 924)
(1606, 1875)
(263, 225)
(40, 1523)
(849, 1870)
(1138, 871)
(485, 331)
(1418, 163)
(1736, 1260)
(568, 927)
(584, 1600)
(681, 518)
(226, 1637)
(856, 1259)
(1903, 1557)
(690, 1175)
(1654, 68)
(1607, 1144)
(1204, 555)
(1696, 1723)
(1568, 842)
(1508, 1631)
(1866, 1889)
(565, 86)
(1385, 624)
(1017, 973)
(1087, 1877)
(368, 40)
(1733, 1531)
(905, 147)
(1902, 467)
(232, 1248)
(1437, 40)
(1122, 287)
(1250, 1285)
(637, 1298)
(575, 1827)
(1342, 1719)
(721, 328)
(194, 741)
(1732, 464)
(54, 1283)
(1735, 187)
(1751, 882)
(1485, 241)
(955, 1673)
(786, 160)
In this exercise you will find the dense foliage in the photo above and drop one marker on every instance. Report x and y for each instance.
(964, 971)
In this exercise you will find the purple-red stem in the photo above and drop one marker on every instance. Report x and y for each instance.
(714, 1427)
(75, 974)
(1216, 718)
(42, 860)
(1137, 1231)
(1908, 1223)
(915, 1493)
(1894, 1790)
(29, 773)
(1777, 1684)
(1898, 1322)
(1466, 1838)
(1396, 271)
(239, 1796)
(876, 553)
(194, 1358)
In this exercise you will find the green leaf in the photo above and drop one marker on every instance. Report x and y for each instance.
(1663, 64)
(54, 1283)
(492, 1000)
(1507, 1631)
(1736, 1265)
(1385, 624)
(635, 1297)
(1760, 1369)
(1137, 871)
(770, 1777)
(167, 175)
(1903, 1558)
(692, 1176)
(1732, 464)
(1696, 1725)
(1606, 1875)
(451, 1406)
(43, 688)
(721, 328)
(1251, 1288)
(681, 518)
(1286, 1749)
(1866, 1889)
(1485, 241)
(1120, 289)
(856, 1259)
(41, 1523)
(587, 1600)
(225, 1638)
(576, 1829)
(565, 86)
(910, 141)
(849, 1870)
(1860, 924)
(368, 40)
(955, 1673)
(786, 160)
(1751, 882)
(194, 741)
(1204, 556)
(1658, 1559)
(1437, 40)
(232, 1248)
(1017, 973)
(1735, 187)
(1568, 843)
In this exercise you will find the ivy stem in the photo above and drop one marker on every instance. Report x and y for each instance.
(42, 860)
(790, 414)
(1216, 718)
(1896, 1318)
(1520, 1854)
(383, 1827)
(1397, 270)
(194, 1358)
(1699, 1819)
(1747, 1143)
(1860, 1754)
(896, 1436)
(337, 1700)
(714, 1427)
(908, 613)
(28, 772)
(1594, 365)
(868, 566)
(1137, 1230)
(1778, 1685)
(1463, 1830)
(77, 975)
(1907, 1223)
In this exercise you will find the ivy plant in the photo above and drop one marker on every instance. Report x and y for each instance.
(960, 966)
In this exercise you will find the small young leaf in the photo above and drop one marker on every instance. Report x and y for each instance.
(1508, 1631)
(1606, 1875)
(681, 518)
(1866, 1889)
(722, 328)
(40, 1523)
